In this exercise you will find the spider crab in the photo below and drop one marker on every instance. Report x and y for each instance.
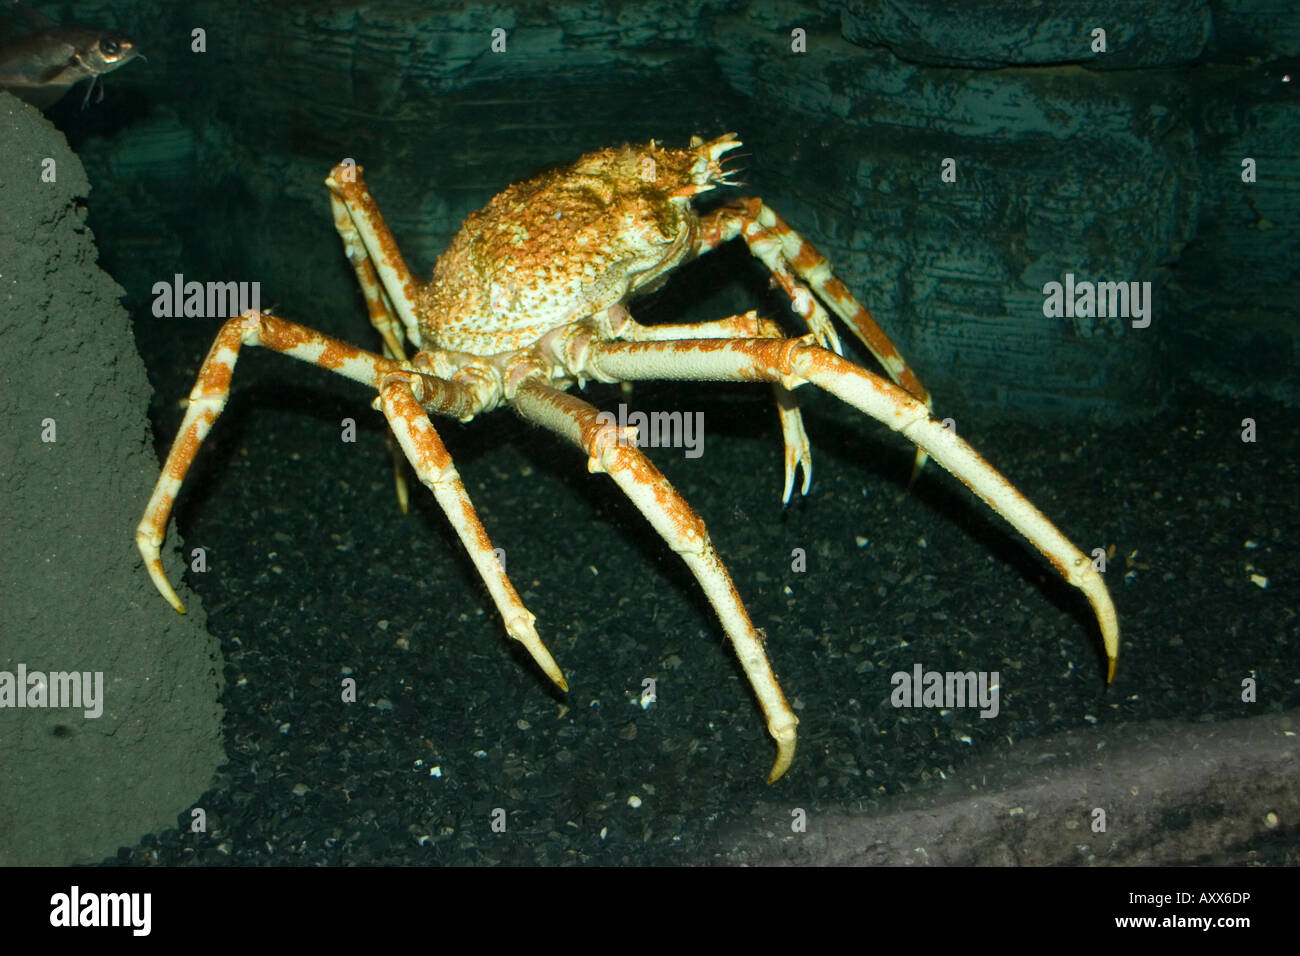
(530, 299)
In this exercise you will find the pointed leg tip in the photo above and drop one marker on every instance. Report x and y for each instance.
(159, 578)
(544, 660)
(785, 744)
(790, 479)
(1102, 606)
(779, 768)
(918, 465)
(173, 600)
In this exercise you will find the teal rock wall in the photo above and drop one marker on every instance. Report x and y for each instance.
(1122, 166)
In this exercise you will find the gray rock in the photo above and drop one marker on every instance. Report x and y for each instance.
(73, 596)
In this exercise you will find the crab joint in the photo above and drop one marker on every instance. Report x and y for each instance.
(605, 441)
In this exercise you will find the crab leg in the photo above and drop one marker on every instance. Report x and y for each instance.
(771, 239)
(401, 405)
(794, 362)
(343, 181)
(609, 450)
(421, 443)
(366, 238)
(208, 398)
(378, 305)
(798, 450)
(732, 221)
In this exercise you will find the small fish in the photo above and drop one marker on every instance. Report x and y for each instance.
(40, 67)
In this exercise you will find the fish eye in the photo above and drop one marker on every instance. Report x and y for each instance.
(108, 47)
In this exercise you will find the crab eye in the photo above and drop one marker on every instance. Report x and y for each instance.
(109, 47)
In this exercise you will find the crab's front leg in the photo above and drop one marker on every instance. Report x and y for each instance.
(794, 362)
(610, 451)
(403, 399)
(397, 387)
(208, 398)
(385, 279)
(787, 254)
(798, 450)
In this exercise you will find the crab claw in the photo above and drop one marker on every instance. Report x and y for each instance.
(708, 171)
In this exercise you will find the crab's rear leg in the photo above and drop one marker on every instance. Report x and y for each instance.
(609, 450)
(794, 362)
